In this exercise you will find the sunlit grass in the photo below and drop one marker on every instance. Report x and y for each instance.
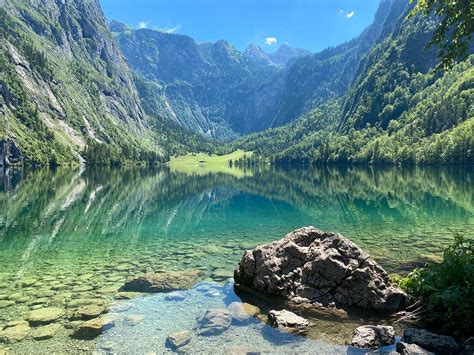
(201, 163)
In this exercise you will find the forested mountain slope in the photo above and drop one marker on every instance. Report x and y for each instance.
(398, 109)
(64, 83)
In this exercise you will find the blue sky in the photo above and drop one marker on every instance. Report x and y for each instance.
(310, 24)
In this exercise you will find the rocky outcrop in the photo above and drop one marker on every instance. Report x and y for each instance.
(319, 267)
(373, 336)
(288, 321)
(162, 282)
(10, 154)
(439, 344)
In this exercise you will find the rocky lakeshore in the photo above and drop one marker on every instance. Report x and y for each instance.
(301, 291)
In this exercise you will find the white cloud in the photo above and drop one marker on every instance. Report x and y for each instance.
(169, 30)
(143, 24)
(270, 40)
(346, 14)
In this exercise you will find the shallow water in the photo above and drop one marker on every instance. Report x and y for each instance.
(73, 236)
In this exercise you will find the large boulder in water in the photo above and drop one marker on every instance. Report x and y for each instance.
(319, 267)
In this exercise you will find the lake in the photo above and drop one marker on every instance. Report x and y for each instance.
(71, 237)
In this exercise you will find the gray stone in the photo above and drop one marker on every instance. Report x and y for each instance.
(442, 344)
(46, 331)
(44, 315)
(215, 321)
(288, 321)
(175, 296)
(411, 349)
(133, 320)
(14, 334)
(308, 264)
(178, 339)
(373, 336)
(242, 313)
(162, 282)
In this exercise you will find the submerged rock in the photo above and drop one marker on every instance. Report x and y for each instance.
(178, 339)
(288, 321)
(373, 336)
(441, 344)
(411, 349)
(319, 267)
(5, 304)
(162, 282)
(46, 331)
(88, 312)
(44, 315)
(14, 334)
(215, 321)
(133, 320)
(242, 313)
(94, 327)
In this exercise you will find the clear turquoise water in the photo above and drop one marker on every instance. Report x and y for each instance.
(63, 229)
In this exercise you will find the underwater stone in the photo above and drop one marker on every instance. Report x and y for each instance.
(133, 319)
(5, 304)
(93, 328)
(46, 331)
(242, 313)
(215, 321)
(178, 339)
(44, 315)
(88, 312)
(162, 282)
(288, 321)
(14, 323)
(14, 334)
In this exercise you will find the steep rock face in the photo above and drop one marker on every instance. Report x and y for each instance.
(311, 80)
(63, 80)
(210, 88)
(318, 267)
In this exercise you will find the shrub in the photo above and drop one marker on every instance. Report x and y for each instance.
(447, 289)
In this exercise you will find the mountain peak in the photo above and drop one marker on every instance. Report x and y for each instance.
(117, 26)
(255, 54)
(285, 54)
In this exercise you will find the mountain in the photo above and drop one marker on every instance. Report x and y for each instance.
(311, 80)
(215, 90)
(64, 83)
(396, 109)
(210, 88)
(285, 54)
